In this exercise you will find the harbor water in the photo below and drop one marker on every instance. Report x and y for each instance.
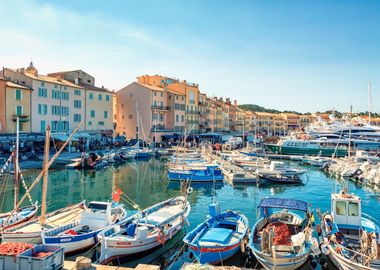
(146, 183)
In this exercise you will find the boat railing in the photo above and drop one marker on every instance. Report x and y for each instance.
(376, 221)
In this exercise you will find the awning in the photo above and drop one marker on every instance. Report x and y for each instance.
(283, 204)
(63, 137)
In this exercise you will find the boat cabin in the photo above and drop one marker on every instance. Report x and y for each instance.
(346, 209)
(97, 214)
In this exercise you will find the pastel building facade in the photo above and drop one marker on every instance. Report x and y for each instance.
(55, 101)
(15, 101)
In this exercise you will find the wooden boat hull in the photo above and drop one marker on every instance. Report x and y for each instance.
(281, 180)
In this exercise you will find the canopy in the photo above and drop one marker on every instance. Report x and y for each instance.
(283, 203)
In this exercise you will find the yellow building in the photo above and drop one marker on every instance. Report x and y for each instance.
(15, 101)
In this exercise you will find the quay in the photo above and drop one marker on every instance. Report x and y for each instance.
(71, 265)
(197, 266)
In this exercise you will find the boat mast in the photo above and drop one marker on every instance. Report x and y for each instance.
(369, 102)
(45, 169)
(349, 134)
(15, 165)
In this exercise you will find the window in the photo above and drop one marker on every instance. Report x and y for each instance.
(130, 116)
(340, 208)
(42, 109)
(155, 93)
(92, 113)
(18, 110)
(107, 98)
(54, 125)
(65, 95)
(101, 123)
(353, 209)
(64, 88)
(18, 94)
(55, 110)
(90, 123)
(65, 110)
(177, 118)
(182, 118)
(55, 94)
(42, 92)
(162, 94)
(105, 114)
(91, 96)
(130, 94)
(77, 117)
(77, 104)
(43, 125)
(77, 92)
(100, 97)
(42, 83)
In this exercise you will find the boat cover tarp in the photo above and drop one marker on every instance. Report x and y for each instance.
(283, 203)
(219, 235)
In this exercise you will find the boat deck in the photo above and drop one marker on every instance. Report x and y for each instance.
(222, 236)
(53, 221)
(163, 214)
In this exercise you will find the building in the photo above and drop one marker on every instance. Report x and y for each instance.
(203, 122)
(15, 101)
(55, 101)
(292, 120)
(143, 112)
(98, 102)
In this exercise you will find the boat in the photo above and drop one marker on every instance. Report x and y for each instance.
(324, 148)
(281, 239)
(219, 237)
(145, 230)
(350, 237)
(279, 168)
(20, 214)
(278, 179)
(82, 234)
(201, 174)
(315, 161)
(30, 231)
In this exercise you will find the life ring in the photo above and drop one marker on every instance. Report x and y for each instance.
(161, 237)
(189, 190)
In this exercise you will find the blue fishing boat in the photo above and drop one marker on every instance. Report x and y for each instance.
(219, 237)
(281, 239)
(200, 174)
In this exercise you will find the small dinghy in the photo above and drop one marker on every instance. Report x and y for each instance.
(278, 179)
(82, 234)
(145, 230)
(203, 174)
(219, 237)
(8, 220)
(282, 237)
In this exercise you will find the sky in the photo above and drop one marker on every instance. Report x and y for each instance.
(297, 55)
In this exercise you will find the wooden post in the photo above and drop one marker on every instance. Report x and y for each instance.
(45, 181)
(15, 166)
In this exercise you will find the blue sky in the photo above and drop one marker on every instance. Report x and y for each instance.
(288, 55)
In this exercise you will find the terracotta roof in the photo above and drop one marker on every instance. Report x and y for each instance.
(155, 88)
(15, 85)
(48, 79)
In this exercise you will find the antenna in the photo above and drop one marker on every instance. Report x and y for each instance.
(369, 102)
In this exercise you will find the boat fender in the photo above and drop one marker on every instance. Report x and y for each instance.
(161, 237)
(325, 250)
(242, 246)
(189, 190)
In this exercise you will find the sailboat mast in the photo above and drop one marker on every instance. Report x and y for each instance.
(15, 165)
(349, 134)
(369, 102)
(45, 181)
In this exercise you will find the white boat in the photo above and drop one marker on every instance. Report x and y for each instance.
(278, 168)
(350, 238)
(82, 234)
(281, 239)
(145, 230)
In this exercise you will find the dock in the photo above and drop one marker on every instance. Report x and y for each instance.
(71, 265)
(197, 266)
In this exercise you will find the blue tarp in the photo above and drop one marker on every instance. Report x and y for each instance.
(219, 235)
(284, 203)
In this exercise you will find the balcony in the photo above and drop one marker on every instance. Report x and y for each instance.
(160, 108)
(164, 130)
(22, 118)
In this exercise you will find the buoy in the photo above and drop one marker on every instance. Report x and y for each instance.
(242, 246)
(189, 190)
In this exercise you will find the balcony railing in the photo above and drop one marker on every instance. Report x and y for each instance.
(160, 108)
(22, 118)
(161, 130)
